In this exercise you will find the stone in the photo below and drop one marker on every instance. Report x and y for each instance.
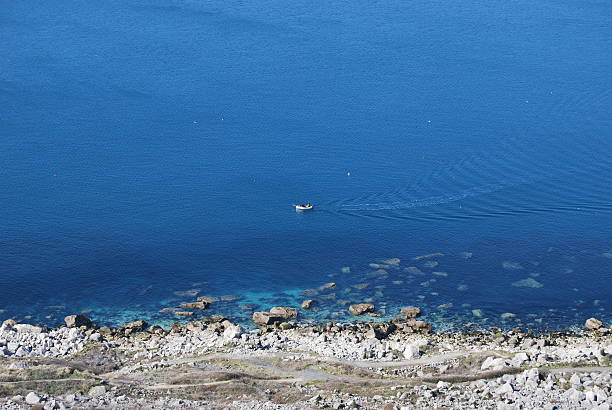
(266, 318)
(32, 398)
(593, 324)
(77, 321)
(307, 304)
(527, 283)
(136, 326)
(97, 391)
(284, 312)
(504, 389)
(520, 358)
(232, 332)
(412, 351)
(411, 312)
(180, 313)
(361, 308)
(419, 326)
(380, 330)
(207, 299)
(201, 305)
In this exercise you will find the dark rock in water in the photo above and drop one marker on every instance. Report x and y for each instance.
(593, 324)
(307, 304)
(248, 306)
(361, 308)
(137, 326)
(284, 312)
(207, 299)
(230, 298)
(169, 310)
(195, 305)
(77, 321)
(411, 312)
(328, 286)
(309, 292)
(183, 313)
(329, 296)
(266, 318)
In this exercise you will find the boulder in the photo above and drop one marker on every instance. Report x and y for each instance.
(411, 312)
(593, 324)
(284, 312)
(231, 332)
(412, 351)
(380, 330)
(307, 304)
(419, 326)
(361, 308)
(201, 305)
(32, 398)
(77, 321)
(266, 318)
(136, 326)
(97, 391)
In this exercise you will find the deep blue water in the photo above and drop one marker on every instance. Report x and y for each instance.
(149, 148)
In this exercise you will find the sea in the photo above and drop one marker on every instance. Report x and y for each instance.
(458, 156)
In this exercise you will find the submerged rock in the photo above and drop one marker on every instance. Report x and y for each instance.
(195, 305)
(512, 265)
(284, 312)
(361, 308)
(410, 312)
(527, 283)
(187, 293)
(307, 304)
(427, 256)
(77, 321)
(328, 286)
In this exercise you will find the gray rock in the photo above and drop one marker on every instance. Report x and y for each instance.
(361, 308)
(284, 312)
(77, 321)
(97, 391)
(307, 304)
(411, 312)
(33, 398)
(137, 326)
(266, 318)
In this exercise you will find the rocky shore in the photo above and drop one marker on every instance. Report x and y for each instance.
(282, 364)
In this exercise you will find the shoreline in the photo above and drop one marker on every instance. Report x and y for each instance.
(215, 363)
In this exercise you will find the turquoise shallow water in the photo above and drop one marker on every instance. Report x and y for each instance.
(151, 148)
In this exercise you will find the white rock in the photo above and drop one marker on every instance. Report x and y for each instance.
(504, 389)
(97, 391)
(33, 398)
(575, 380)
(412, 351)
(443, 385)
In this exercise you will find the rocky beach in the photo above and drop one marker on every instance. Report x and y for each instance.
(285, 364)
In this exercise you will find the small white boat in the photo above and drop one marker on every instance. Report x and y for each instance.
(304, 207)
